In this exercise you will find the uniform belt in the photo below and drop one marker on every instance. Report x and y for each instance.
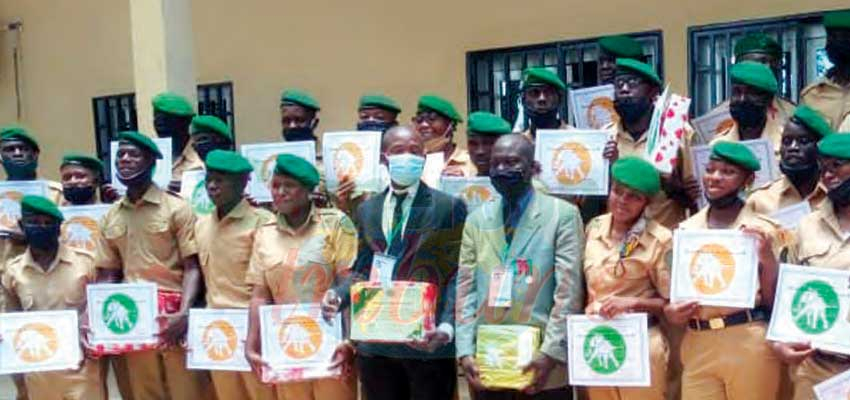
(738, 318)
(831, 357)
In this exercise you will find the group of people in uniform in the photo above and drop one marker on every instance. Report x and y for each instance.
(560, 255)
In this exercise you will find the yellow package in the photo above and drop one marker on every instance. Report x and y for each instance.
(501, 353)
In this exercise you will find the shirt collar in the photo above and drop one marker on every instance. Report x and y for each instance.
(312, 217)
(623, 133)
(238, 212)
(152, 195)
(61, 255)
(409, 191)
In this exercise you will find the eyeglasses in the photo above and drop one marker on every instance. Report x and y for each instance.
(427, 116)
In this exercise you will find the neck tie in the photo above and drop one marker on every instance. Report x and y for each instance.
(396, 227)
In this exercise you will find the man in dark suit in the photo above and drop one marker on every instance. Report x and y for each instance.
(418, 229)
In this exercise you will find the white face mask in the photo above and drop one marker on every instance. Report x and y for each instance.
(405, 169)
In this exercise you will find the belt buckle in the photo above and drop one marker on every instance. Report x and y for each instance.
(716, 323)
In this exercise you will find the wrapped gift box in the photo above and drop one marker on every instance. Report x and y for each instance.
(501, 353)
(398, 314)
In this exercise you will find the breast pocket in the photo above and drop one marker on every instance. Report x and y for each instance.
(160, 240)
(115, 231)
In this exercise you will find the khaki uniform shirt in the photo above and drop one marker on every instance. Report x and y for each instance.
(826, 245)
(224, 249)
(772, 132)
(781, 193)
(745, 217)
(189, 160)
(299, 264)
(62, 286)
(828, 97)
(459, 162)
(643, 273)
(149, 239)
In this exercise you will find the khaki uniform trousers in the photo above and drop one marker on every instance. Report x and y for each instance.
(320, 389)
(735, 363)
(659, 353)
(810, 372)
(85, 384)
(240, 385)
(20, 386)
(162, 375)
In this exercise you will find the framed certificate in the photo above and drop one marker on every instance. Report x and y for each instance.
(11, 193)
(39, 341)
(81, 228)
(352, 154)
(761, 148)
(263, 157)
(193, 188)
(837, 387)
(217, 339)
(473, 191)
(122, 314)
(613, 352)
(593, 107)
(297, 343)
(162, 172)
(789, 217)
(502, 351)
(399, 314)
(716, 267)
(571, 161)
(713, 123)
(811, 305)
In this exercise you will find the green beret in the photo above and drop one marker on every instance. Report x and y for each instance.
(83, 160)
(735, 153)
(228, 162)
(754, 74)
(141, 140)
(642, 68)
(542, 76)
(757, 43)
(488, 124)
(621, 46)
(837, 20)
(298, 168)
(638, 174)
(173, 103)
(379, 101)
(211, 124)
(17, 132)
(299, 97)
(440, 106)
(812, 120)
(836, 146)
(40, 205)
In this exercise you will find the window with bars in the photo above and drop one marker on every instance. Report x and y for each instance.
(494, 75)
(116, 113)
(711, 49)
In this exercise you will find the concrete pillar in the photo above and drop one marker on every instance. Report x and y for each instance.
(163, 53)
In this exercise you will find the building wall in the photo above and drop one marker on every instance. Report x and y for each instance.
(336, 49)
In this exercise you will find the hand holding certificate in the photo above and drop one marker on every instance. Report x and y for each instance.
(122, 316)
(297, 343)
(401, 313)
(593, 107)
(571, 161)
(354, 156)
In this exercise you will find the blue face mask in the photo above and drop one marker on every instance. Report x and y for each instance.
(405, 169)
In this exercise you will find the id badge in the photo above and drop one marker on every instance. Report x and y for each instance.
(501, 283)
(382, 269)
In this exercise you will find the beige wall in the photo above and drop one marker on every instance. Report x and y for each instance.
(75, 50)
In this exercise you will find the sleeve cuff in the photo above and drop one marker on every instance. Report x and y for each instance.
(448, 329)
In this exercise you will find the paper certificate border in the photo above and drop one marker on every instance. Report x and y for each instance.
(68, 351)
(837, 387)
(188, 183)
(581, 99)
(92, 211)
(681, 270)
(162, 171)
(369, 176)
(712, 123)
(575, 350)
(309, 369)
(700, 156)
(835, 339)
(97, 293)
(234, 316)
(22, 188)
(454, 185)
(258, 153)
(599, 165)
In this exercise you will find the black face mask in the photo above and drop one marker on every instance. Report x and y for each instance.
(374, 126)
(79, 195)
(801, 172)
(632, 109)
(18, 170)
(543, 119)
(298, 134)
(840, 195)
(725, 201)
(140, 178)
(42, 237)
(747, 114)
(838, 52)
(509, 183)
(204, 148)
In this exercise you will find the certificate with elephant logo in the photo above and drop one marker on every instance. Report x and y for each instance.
(81, 228)
(608, 352)
(263, 157)
(571, 161)
(216, 338)
(122, 314)
(39, 341)
(297, 342)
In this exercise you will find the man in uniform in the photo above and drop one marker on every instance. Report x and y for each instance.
(51, 276)
(543, 92)
(484, 129)
(172, 115)
(19, 151)
(800, 179)
(299, 116)
(209, 133)
(831, 94)
(754, 88)
(81, 177)
(149, 236)
(296, 260)
(436, 120)
(536, 242)
(610, 49)
(636, 88)
(377, 112)
(826, 246)
(225, 239)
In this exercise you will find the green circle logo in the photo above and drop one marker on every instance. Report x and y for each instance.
(120, 313)
(604, 349)
(200, 200)
(815, 307)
